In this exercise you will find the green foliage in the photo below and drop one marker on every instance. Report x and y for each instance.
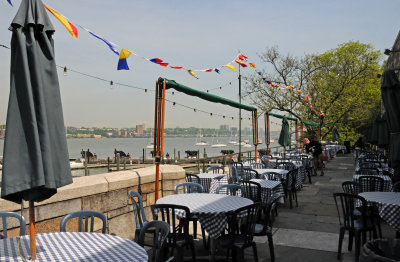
(342, 83)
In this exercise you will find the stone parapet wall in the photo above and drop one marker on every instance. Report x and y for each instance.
(106, 193)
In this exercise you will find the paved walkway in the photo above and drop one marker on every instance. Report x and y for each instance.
(310, 232)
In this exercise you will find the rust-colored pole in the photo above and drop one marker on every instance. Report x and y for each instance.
(319, 133)
(297, 135)
(267, 131)
(158, 124)
(162, 120)
(255, 132)
(32, 230)
(302, 136)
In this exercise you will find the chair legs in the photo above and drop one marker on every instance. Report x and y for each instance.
(271, 247)
(351, 235)
(341, 236)
(254, 251)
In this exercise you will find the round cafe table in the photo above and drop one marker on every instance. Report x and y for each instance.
(73, 246)
(388, 204)
(211, 209)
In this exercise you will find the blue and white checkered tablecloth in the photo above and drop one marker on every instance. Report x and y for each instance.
(206, 180)
(211, 209)
(387, 184)
(269, 188)
(388, 204)
(73, 246)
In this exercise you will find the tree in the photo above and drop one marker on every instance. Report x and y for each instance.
(342, 83)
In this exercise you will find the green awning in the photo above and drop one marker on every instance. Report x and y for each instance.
(308, 123)
(203, 95)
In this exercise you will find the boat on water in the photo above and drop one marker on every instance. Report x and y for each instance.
(202, 143)
(233, 142)
(218, 145)
(243, 144)
(150, 146)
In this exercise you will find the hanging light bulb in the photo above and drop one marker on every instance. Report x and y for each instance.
(230, 83)
(224, 117)
(173, 93)
(207, 91)
(65, 71)
(173, 105)
(194, 110)
(220, 87)
(111, 84)
(145, 91)
(211, 114)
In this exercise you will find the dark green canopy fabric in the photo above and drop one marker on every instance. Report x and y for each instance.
(335, 135)
(36, 160)
(383, 131)
(390, 90)
(204, 95)
(308, 123)
(284, 136)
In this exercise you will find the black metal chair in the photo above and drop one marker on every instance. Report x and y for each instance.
(235, 172)
(249, 174)
(351, 187)
(20, 218)
(159, 231)
(178, 237)
(215, 169)
(138, 210)
(286, 165)
(256, 165)
(230, 189)
(370, 164)
(86, 216)
(290, 186)
(240, 232)
(265, 228)
(251, 190)
(189, 187)
(193, 178)
(356, 225)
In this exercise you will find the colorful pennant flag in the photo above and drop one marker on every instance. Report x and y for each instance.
(109, 44)
(156, 60)
(230, 66)
(124, 54)
(9, 1)
(252, 65)
(163, 64)
(209, 70)
(70, 27)
(242, 57)
(190, 71)
(240, 62)
(216, 70)
(305, 99)
(176, 67)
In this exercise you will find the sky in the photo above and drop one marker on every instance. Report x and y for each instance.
(193, 34)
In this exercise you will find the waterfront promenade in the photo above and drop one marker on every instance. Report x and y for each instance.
(310, 232)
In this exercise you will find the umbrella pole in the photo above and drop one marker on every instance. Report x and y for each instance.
(32, 229)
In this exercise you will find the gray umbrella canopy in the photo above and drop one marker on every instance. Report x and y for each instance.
(36, 160)
(335, 135)
(284, 136)
(383, 132)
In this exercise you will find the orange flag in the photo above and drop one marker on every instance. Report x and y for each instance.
(70, 27)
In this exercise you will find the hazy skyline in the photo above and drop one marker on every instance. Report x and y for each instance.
(193, 34)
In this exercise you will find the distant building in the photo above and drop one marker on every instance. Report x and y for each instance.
(224, 127)
(234, 129)
(139, 130)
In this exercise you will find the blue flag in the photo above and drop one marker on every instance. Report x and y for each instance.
(111, 46)
(9, 1)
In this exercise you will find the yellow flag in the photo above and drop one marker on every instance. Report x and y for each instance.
(125, 53)
(230, 66)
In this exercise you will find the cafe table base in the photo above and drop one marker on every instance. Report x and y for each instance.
(72, 246)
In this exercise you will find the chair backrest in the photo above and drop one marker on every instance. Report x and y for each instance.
(249, 174)
(87, 216)
(215, 169)
(346, 204)
(287, 166)
(271, 176)
(256, 165)
(192, 178)
(249, 160)
(138, 210)
(291, 178)
(159, 231)
(367, 171)
(396, 187)
(251, 190)
(268, 213)
(235, 172)
(229, 189)
(174, 216)
(371, 184)
(242, 222)
(20, 218)
(189, 187)
(351, 187)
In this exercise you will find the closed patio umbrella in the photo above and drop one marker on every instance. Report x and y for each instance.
(284, 136)
(383, 132)
(335, 135)
(36, 160)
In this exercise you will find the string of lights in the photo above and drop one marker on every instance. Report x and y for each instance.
(174, 104)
